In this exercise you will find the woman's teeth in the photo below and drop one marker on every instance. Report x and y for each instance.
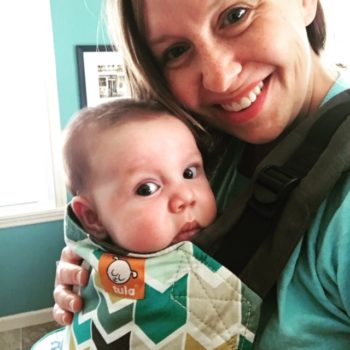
(245, 101)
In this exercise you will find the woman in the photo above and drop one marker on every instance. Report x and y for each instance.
(251, 69)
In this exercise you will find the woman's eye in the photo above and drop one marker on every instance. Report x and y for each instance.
(174, 52)
(147, 189)
(234, 15)
(190, 172)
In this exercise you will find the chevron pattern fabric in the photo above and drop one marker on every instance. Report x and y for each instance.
(190, 302)
(176, 299)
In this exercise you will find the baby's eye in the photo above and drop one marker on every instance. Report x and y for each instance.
(147, 189)
(233, 15)
(190, 172)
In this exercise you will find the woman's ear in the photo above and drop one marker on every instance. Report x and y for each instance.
(310, 8)
(88, 217)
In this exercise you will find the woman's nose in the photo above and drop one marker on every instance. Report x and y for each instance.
(219, 68)
(183, 198)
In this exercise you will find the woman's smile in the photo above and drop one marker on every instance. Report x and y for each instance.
(247, 107)
(245, 101)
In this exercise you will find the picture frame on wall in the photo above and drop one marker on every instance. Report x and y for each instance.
(101, 75)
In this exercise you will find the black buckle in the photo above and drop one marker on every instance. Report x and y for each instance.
(271, 187)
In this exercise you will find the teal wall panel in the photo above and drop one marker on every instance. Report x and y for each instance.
(27, 260)
(77, 22)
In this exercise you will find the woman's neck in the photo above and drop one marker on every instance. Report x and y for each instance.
(321, 81)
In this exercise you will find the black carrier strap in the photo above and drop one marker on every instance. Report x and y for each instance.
(249, 248)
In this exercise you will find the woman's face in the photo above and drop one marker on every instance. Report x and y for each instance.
(245, 65)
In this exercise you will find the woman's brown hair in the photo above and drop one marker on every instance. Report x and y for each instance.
(316, 31)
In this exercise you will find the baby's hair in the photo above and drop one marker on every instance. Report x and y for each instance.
(86, 124)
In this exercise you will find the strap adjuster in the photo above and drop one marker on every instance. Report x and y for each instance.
(271, 186)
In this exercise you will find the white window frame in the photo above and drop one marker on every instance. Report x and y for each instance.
(25, 214)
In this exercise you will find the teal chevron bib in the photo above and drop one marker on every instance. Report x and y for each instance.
(190, 302)
(179, 298)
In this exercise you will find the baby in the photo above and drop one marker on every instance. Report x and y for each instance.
(140, 194)
(137, 176)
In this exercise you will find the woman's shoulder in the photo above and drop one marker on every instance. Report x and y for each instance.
(341, 84)
(332, 223)
(318, 269)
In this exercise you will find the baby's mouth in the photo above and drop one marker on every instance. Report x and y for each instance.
(187, 231)
(245, 101)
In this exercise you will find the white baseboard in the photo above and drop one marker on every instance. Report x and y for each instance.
(25, 319)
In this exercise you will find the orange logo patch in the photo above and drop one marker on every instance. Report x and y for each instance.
(123, 276)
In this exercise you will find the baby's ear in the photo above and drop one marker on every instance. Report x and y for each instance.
(88, 217)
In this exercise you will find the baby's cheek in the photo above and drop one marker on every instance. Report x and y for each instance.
(146, 233)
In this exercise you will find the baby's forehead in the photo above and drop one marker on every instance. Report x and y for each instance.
(147, 116)
(147, 131)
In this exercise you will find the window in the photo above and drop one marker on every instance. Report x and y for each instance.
(337, 47)
(31, 188)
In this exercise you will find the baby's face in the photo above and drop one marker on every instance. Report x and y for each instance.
(149, 187)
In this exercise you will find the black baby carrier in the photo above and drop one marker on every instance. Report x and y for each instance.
(255, 237)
